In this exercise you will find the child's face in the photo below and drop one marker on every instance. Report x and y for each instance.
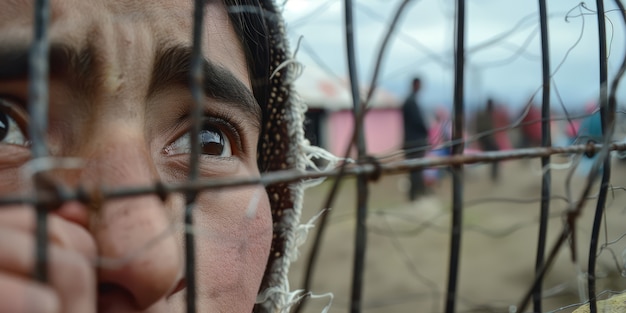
(119, 101)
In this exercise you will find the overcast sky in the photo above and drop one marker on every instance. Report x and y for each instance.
(502, 41)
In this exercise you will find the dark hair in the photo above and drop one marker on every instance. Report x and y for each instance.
(249, 21)
(416, 84)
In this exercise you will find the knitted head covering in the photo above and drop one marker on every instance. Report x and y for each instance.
(281, 143)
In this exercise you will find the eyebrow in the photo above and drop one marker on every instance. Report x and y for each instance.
(173, 66)
(64, 60)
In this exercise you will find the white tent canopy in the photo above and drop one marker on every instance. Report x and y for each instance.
(320, 89)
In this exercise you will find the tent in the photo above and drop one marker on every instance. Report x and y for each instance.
(330, 120)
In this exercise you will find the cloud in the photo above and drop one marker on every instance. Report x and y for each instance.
(502, 38)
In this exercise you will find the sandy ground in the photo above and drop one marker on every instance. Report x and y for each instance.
(408, 243)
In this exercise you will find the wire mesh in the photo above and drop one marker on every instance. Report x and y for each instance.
(542, 263)
(366, 168)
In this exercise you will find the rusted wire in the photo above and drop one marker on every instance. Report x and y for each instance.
(286, 176)
(457, 150)
(38, 110)
(360, 241)
(609, 105)
(359, 117)
(196, 81)
(568, 232)
(383, 48)
(606, 117)
(546, 141)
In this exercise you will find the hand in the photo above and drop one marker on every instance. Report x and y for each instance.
(71, 286)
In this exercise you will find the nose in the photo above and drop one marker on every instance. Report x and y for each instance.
(138, 249)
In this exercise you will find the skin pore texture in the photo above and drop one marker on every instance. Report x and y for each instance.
(119, 102)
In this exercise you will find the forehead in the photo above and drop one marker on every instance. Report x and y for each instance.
(115, 25)
(171, 16)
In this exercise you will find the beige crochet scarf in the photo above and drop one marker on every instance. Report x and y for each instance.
(281, 144)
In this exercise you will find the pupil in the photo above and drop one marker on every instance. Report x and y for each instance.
(4, 125)
(212, 142)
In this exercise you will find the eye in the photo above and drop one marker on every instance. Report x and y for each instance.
(212, 140)
(13, 122)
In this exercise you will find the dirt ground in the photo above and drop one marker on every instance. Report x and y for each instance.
(408, 243)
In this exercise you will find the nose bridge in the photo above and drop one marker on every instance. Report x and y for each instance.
(119, 156)
(138, 249)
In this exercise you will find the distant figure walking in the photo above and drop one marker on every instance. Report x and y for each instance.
(590, 132)
(590, 128)
(485, 126)
(415, 137)
(439, 135)
(531, 127)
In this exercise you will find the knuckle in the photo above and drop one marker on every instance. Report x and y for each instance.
(72, 271)
(72, 236)
(18, 296)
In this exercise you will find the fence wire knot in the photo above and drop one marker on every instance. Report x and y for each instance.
(376, 173)
(591, 148)
(46, 185)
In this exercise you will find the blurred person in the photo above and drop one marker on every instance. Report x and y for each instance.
(590, 127)
(440, 132)
(439, 135)
(531, 127)
(502, 122)
(415, 137)
(120, 103)
(589, 132)
(570, 132)
(485, 129)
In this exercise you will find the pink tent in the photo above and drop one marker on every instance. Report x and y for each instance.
(383, 122)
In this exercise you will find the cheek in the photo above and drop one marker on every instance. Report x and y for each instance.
(11, 173)
(8, 179)
(234, 232)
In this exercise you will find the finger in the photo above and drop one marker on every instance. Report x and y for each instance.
(61, 232)
(22, 296)
(71, 274)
